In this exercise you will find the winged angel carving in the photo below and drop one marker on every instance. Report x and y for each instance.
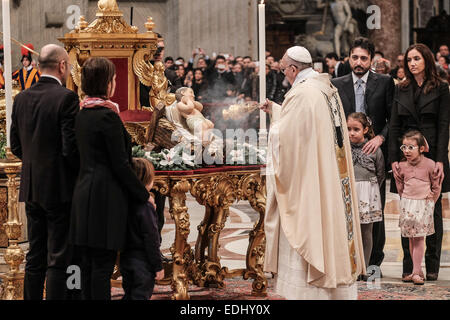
(76, 69)
(142, 67)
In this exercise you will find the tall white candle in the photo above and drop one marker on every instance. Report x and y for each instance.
(7, 72)
(262, 63)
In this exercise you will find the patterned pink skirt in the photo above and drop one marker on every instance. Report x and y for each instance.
(416, 218)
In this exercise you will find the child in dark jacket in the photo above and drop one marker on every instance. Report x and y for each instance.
(140, 263)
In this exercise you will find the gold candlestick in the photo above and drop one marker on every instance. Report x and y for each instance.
(14, 255)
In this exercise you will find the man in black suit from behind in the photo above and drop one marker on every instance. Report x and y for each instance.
(340, 68)
(43, 137)
(365, 91)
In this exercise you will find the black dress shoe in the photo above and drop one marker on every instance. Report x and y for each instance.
(432, 276)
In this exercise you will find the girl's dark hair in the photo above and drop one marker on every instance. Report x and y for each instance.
(431, 76)
(415, 135)
(96, 74)
(365, 121)
(144, 170)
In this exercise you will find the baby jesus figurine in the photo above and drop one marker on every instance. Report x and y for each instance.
(191, 111)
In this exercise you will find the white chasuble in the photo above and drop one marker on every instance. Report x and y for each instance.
(311, 196)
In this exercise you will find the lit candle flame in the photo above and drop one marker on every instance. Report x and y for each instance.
(262, 2)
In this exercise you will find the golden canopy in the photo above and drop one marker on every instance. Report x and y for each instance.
(110, 36)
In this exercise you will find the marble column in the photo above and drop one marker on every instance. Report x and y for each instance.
(388, 38)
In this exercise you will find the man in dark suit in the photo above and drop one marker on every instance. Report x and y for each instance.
(340, 68)
(372, 94)
(43, 137)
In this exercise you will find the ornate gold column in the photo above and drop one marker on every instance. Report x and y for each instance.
(14, 255)
(253, 188)
(181, 250)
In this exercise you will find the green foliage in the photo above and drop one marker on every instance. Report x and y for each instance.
(167, 160)
(2, 146)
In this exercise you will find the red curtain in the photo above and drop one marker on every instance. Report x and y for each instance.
(121, 94)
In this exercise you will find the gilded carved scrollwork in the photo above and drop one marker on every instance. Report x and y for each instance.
(216, 193)
(3, 216)
(76, 69)
(14, 255)
(178, 212)
(107, 24)
(161, 185)
(254, 190)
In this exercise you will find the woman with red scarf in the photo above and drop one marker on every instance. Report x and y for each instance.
(106, 183)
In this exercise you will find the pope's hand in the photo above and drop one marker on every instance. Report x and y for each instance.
(266, 106)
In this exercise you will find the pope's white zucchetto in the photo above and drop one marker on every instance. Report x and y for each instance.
(299, 54)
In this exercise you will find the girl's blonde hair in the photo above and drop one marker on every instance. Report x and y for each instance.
(365, 121)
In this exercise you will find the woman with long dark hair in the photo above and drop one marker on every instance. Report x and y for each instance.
(421, 102)
(106, 182)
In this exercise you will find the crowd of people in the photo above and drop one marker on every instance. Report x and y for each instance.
(227, 79)
(224, 78)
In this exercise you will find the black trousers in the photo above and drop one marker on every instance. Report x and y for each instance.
(138, 280)
(433, 243)
(160, 202)
(379, 233)
(97, 267)
(48, 254)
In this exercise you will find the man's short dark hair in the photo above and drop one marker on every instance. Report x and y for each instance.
(220, 57)
(365, 44)
(247, 57)
(96, 74)
(168, 59)
(332, 55)
(180, 58)
(380, 53)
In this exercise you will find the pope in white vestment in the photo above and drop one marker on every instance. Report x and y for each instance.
(313, 236)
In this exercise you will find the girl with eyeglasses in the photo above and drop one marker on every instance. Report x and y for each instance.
(419, 188)
(369, 175)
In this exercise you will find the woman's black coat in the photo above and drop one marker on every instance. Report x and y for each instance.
(106, 182)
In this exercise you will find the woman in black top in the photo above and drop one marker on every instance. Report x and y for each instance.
(421, 102)
(106, 183)
(199, 85)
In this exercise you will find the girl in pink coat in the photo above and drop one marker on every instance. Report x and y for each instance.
(419, 189)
